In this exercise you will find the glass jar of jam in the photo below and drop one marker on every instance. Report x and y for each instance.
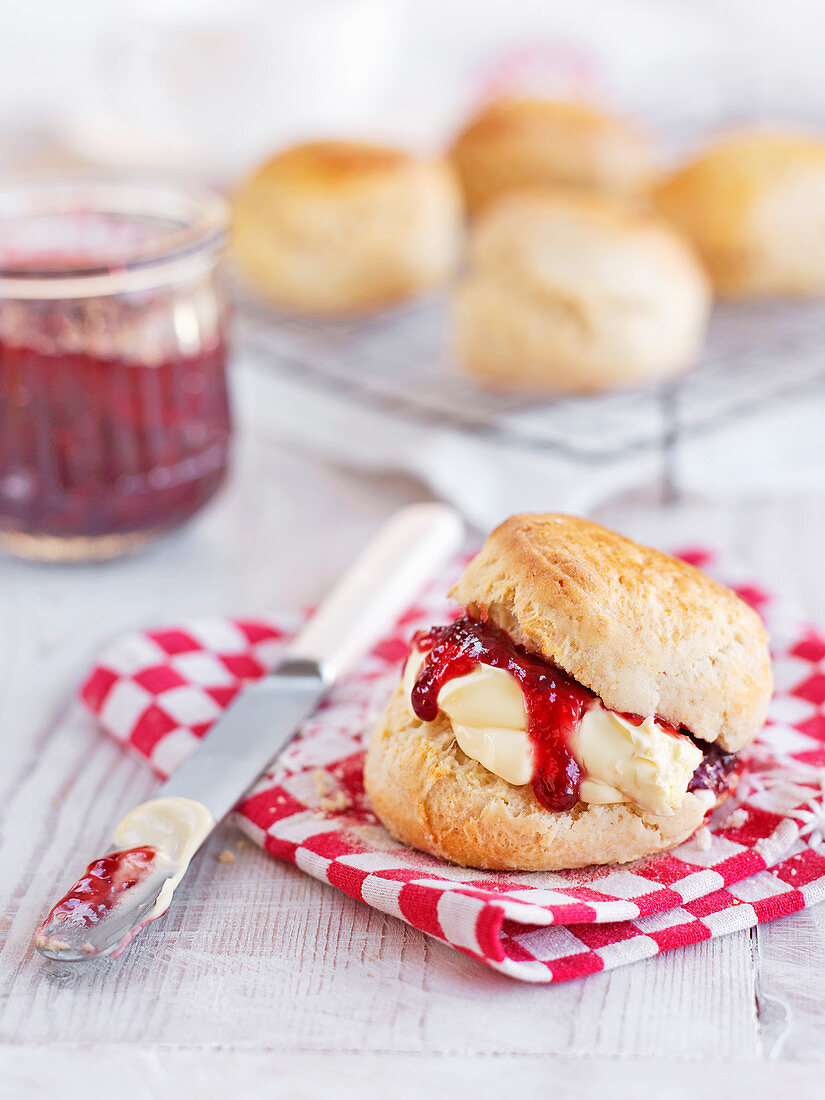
(114, 419)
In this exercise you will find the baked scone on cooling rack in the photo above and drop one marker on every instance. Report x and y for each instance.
(753, 203)
(515, 142)
(588, 707)
(336, 227)
(575, 294)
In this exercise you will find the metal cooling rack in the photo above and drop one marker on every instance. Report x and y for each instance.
(757, 357)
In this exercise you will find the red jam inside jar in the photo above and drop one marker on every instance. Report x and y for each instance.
(114, 416)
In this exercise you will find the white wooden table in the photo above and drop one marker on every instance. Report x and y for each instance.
(262, 982)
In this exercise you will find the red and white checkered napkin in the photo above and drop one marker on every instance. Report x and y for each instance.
(763, 856)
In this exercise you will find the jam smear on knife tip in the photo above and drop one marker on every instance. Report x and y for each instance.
(96, 893)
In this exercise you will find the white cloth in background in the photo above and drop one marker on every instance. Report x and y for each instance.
(776, 451)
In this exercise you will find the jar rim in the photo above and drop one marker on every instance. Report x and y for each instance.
(192, 224)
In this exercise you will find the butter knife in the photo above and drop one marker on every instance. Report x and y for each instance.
(152, 847)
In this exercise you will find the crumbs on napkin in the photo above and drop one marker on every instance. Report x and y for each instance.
(736, 820)
(331, 801)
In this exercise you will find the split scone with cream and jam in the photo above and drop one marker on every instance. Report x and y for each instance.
(588, 707)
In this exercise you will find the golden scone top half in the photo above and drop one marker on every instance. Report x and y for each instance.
(573, 263)
(672, 675)
(753, 204)
(648, 633)
(525, 142)
(332, 228)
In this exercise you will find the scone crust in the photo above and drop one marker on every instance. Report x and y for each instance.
(432, 797)
(337, 228)
(646, 632)
(329, 166)
(515, 142)
(574, 293)
(752, 204)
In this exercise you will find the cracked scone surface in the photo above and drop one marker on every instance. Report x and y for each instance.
(646, 632)
(432, 797)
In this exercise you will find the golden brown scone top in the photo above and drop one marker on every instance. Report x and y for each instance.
(732, 171)
(514, 142)
(334, 164)
(715, 200)
(646, 632)
(334, 228)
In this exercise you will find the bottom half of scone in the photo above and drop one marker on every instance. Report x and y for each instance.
(433, 797)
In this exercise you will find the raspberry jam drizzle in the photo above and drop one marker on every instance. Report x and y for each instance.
(554, 703)
(95, 895)
(718, 772)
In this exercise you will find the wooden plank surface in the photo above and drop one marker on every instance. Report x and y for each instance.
(262, 977)
(165, 1074)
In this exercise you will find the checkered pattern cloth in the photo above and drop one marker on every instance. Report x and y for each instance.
(761, 857)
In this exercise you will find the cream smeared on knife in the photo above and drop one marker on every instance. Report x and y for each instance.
(151, 850)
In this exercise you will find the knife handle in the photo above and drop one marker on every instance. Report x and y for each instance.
(382, 583)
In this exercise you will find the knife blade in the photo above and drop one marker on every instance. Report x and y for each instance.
(152, 847)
